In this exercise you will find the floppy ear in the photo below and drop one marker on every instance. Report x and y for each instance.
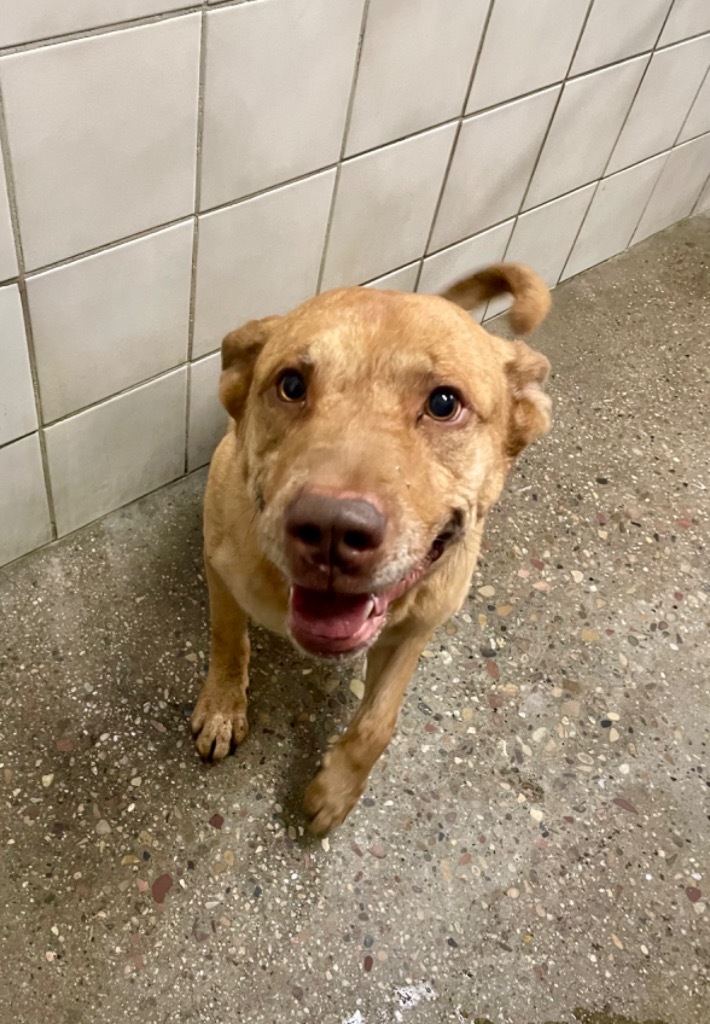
(530, 413)
(239, 351)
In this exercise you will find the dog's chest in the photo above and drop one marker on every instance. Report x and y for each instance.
(253, 590)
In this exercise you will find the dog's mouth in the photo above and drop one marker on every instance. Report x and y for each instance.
(330, 623)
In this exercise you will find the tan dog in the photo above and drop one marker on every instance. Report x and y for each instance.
(372, 431)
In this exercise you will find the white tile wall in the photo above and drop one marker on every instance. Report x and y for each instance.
(114, 119)
(698, 121)
(683, 176)
(614, 213)
(402, 280)
(587, 122)
(276, 92)
(259, 257)
(446, 267)
(608, 37)
(24, 20)
(177, 167)
(662, 102)
(17, 405)
(527, 46)
(415, 67)
(116, 451)
(8, 261)
(543, 239)
(24, 514)
(106, 322)
(494, 157)
(207, 422)
(384, 205)
(687, 18)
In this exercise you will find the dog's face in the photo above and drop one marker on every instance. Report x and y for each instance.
(377, 427)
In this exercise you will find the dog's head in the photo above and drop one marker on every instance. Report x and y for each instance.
(375, 429)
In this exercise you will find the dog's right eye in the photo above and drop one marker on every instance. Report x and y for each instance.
(291, 387)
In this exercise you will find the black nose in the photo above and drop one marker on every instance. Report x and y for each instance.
(329, 532)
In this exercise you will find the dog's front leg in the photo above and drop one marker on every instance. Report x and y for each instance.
(219, 720)
(339, 784)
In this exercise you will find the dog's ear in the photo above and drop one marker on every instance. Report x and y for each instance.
(239, 351)
(530, 415)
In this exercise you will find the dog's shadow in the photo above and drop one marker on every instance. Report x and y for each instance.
(297, 706)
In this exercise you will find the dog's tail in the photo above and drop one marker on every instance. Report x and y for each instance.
(531, 296)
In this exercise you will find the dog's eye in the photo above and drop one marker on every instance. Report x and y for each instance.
(291, 387)
(443, 404)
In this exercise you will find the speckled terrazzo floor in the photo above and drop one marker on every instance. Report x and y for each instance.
(535, 845)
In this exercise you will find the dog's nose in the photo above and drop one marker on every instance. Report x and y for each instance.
(329, 532)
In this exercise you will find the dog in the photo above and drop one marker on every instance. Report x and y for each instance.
(370, 432)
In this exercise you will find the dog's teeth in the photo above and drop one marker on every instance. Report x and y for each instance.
(370, 608)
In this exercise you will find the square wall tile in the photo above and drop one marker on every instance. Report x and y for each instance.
(111, 454)
(662, 102)
(114, 118)
(384, 207)
(447, 267)
(698, 120)
(584, 130)
(207, 418)
(494, 158)
(106, 322)
(543, 239)
(17, 399)
(392, 96)
(687, 18)
(24, 515)
(24, 20)
(402, 280)
(614, 214)
(278, 81)
(527, 45)
(608, 37)
(259, 257)
(679, 185)
(8, 259)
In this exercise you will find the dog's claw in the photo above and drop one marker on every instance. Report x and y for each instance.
(217, 731)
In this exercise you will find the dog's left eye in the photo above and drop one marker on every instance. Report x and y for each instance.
(443, 404)
(291, 386)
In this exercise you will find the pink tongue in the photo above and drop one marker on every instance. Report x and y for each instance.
(327, 614)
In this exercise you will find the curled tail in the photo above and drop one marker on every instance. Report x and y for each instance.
(531, 296)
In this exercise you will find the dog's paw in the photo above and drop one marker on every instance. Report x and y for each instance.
(332, 795)
(218, 726)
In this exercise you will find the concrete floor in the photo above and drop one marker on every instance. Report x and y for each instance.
(535, 845)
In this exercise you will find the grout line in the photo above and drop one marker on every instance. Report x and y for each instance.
(186, 218)
(196, 222)
(100, 30)
(695, 211)
(165, 372)
(21, 437)
(108, 246)
(202, 6)
(5, 156)
(553, 115)
(536, 164)
(690, 109)
(454, 145)
(343, 144)
(613, 148)
(616, 142)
